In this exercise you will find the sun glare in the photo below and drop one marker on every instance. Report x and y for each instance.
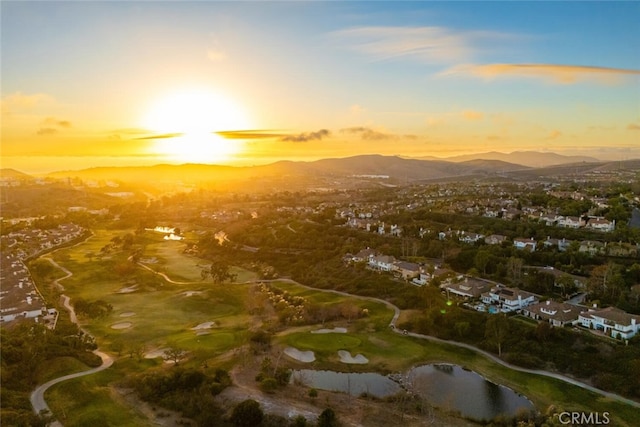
(196, 115)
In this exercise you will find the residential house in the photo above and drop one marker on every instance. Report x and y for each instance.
(562, 244)
(509, 299)
(571, 222)
(470, 237)
(523, 243)
(495, 239)
(382, 262)
(469, 288)
(408, 270)
(364, 255)
(550, 219)
(601, 224)
(556, 313)
(612, 321)
(511, 213)
(592, 247)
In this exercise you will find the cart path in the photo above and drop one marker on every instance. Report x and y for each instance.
(37, 396)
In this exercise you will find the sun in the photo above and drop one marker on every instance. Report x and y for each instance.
(195, 114)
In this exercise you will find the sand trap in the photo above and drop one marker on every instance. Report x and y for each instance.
(300, 356)
(128, 314)
(128, 290)
(345, 357)
(330, 331)
(123, 325)
(203, 333)
(156, 353)
(205, 325)
(191, 293)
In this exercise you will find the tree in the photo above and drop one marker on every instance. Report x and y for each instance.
(328, 418)
(481, 260)
(174, 355)
(497, 330)
(247, 414)
(219, 272)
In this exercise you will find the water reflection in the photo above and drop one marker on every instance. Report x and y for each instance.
(447, 386)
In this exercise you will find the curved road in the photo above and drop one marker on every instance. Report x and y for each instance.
(495, 359)
(37, 396)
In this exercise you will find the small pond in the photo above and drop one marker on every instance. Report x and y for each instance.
(353, 383)
(446, 386)
(454, 388)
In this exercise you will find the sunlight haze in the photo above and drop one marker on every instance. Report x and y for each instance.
(141, 83)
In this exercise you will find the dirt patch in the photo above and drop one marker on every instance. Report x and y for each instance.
(158, 416)
(128, 314)
(159, 352)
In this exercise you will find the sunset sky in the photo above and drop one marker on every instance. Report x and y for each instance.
(93, 84)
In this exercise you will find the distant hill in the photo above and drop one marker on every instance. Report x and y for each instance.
(8, 173)
(396, 168)
(533, 159)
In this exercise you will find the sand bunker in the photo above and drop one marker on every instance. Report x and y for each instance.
(128, 314)
(330, 331)
(203, 333)
(300, 356)
(123, 325)
(156, 353)
(128, 290)
(191, 293)
(205, 325)
(345, 357)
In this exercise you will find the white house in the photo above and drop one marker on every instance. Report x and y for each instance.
(523, 243)
(612, 321)
(556, 313)
(495, 239)
(469, 288)
(601, 224)
(571, 222)
(509, 299)
(382, 262)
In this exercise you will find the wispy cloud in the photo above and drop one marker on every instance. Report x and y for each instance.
(19, 102)
(472, 115)
(562, 74)
(368, 133)
(309, 136)
(51, 126)
(633, 126)
(428, 44)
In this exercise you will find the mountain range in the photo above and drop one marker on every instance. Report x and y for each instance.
(534, 159)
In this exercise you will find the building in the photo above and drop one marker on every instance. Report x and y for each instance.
(469, 288)
(556, 313)
(509, 299)
(612, 321)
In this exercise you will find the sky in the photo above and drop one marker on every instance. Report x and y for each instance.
(135, 83)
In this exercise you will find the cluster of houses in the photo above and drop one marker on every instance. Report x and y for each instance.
(19, 297)
(495, 297)
(487, 296)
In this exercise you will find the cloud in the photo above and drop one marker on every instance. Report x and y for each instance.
(561, 74)
(428, 44)
(51, 126)
(554, 134)
(46, 131)
(356, 109)
(310, 136)
(368, 133)
(51, 121)
(19, 102)
(472, 115)
(633, 126)
(215, 53)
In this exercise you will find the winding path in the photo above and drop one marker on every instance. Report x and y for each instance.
(37, 396)
(492, 357)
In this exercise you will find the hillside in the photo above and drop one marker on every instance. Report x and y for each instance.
(527, 158)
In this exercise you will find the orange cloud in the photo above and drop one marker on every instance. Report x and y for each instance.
(472, 115)
(633, 126)
(554, 134)
(563, 74)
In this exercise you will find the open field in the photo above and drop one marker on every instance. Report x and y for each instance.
(152, 314)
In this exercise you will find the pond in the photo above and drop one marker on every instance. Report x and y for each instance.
(446, 386)
(454, 388)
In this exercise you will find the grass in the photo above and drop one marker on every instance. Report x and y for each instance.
(165, 314)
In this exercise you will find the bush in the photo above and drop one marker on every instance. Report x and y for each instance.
(247, 414)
